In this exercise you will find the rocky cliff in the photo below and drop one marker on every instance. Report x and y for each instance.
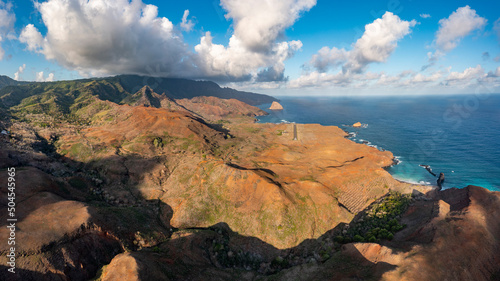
(276, 106)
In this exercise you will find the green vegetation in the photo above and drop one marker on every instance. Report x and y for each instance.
(99, 276)
(222, 121)
(62, 187)
(7, 81)
(379, 222)
(78, 183)
(78, 98)
(308, 178)
(67, 101)
(223, 150)
(279, 263)
(158, 142)
(189, 144)
(79, 151)
(252, 130)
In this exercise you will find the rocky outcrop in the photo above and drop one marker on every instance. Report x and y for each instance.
(54, 236)
(146, 97)
(61, 234)
(445, 239)
(276, 106)
(428, 168)
(463, 238)
(440, 181)
(357, 125)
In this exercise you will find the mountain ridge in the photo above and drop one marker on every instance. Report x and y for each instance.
(179, 88)
(127, 85)
(7, 81)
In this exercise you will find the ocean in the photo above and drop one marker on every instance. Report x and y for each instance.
(457, 135)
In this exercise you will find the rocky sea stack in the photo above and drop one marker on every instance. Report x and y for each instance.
(276, 106)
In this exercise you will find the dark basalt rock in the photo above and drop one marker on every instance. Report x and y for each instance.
(440, 181)
(428, 168)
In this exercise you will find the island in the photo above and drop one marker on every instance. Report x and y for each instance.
(140, 185)
(276, 106)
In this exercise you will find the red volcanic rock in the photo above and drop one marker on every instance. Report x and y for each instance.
(52, 232)
(122, 267)
(465, 239)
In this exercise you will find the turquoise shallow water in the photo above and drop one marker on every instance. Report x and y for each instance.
(457, 135)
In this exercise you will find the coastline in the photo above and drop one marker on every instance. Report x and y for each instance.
(396, 124)
(422, 187)
(429, 186)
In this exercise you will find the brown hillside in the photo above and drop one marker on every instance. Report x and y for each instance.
(160, 194)
(214, 108)
(210, 108)
(262, 183)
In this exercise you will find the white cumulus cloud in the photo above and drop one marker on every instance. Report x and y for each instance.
(32, 38)
(102, 37)
(186, 25)
(405, 80)
(19, 72)
(7, 19)
(259, 23)
(376, 44)
(388, 80)
(317, 79)
(467, 75)
(495, 73)
(327, 58)
(379, 40)
(458, 25)
(409, 78)
(425, 16)
(255, 49)
(40, 77)
(420, 78)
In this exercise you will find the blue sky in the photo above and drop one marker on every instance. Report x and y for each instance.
(274, 47)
